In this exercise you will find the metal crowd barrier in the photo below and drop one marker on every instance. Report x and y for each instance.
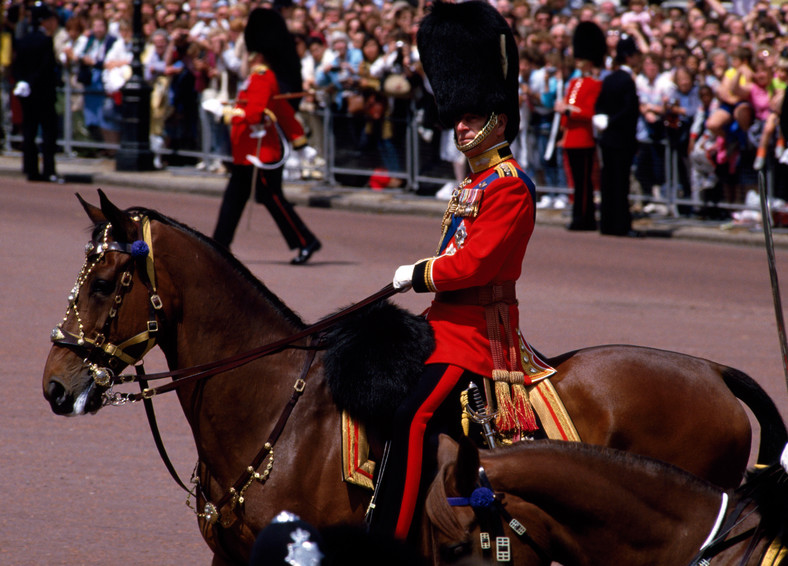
(345, 159)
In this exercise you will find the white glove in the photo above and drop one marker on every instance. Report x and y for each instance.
(600, 121)
(306, 153)
(403, 277)
(255, 161)
(22, 89)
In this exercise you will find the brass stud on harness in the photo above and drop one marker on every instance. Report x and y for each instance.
(210, 513)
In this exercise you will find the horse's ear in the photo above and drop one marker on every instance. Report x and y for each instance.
(465, 456)
(466, 473)
(447, 450)
(123, 227)
(94, 212)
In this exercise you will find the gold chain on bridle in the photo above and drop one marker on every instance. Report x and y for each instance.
(141, 251)
(111, 356)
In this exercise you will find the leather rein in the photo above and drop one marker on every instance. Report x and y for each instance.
(102, 358)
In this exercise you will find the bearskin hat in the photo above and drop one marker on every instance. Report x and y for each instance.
(626, 47)
(470, 57)
(588, 42)
(40, 12)
(266, 33)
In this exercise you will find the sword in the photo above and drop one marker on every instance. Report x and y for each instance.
(766, 220)
(548, 152)
(480, 413)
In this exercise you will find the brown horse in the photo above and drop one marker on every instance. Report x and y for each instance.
(148, 280)
(580, 504)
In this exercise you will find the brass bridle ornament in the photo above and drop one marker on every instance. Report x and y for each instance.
(102, 358)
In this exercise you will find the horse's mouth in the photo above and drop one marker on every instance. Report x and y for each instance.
(70, 404)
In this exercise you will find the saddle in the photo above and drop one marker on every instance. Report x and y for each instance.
(556, 424)
(376, 355)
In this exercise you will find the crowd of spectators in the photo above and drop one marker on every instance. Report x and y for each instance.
(710, 84)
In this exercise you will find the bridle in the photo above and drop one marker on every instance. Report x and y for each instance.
(491, 515)
(104, 360)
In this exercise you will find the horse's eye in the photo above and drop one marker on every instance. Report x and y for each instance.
(102, 287)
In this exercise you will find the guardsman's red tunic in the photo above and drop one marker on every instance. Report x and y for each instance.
(486, 232)
(581, 93)
(257, 107)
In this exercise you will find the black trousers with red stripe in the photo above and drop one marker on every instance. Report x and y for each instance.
(267, 191)
(432, 409)
(581, 163)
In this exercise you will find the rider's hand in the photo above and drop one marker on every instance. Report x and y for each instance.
(403, 278)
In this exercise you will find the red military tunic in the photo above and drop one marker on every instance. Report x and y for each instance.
(487, 227)
(582, 94)
(257, 105)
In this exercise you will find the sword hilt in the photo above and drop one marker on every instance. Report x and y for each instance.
(480, 413)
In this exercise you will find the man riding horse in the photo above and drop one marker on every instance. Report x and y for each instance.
(470, 58)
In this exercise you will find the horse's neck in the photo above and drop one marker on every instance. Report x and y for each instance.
(223, 313)
(218, 311)
(592, 502)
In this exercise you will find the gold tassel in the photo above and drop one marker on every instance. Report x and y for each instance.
(525, 415)
(465, 419)
(506, 420)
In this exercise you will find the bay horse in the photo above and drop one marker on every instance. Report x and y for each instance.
(149, 280)
(579, 504)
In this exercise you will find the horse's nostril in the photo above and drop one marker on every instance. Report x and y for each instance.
(58, 398)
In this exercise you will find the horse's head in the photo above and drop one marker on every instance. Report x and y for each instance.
(112, 316)
(465, 517)
(451, 527)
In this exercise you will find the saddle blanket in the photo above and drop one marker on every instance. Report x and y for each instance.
(358, 469)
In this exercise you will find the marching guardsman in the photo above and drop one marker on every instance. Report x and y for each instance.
(37, 72)
(258, 150)
(589, 48)
(469, 54)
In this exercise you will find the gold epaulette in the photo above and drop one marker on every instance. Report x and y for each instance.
(258, 69)
(506, 169)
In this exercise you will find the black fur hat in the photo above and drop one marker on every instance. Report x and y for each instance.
(40, 12)
(626, 47)
(588, 42)
(266, 33)
(470, 56)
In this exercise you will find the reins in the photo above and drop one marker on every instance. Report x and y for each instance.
(141, 254)
(188, 375)
(717, 543)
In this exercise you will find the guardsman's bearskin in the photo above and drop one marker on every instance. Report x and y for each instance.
(588, 42)
(266, 33)
(470, 56)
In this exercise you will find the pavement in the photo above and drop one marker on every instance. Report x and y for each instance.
(100, 172)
